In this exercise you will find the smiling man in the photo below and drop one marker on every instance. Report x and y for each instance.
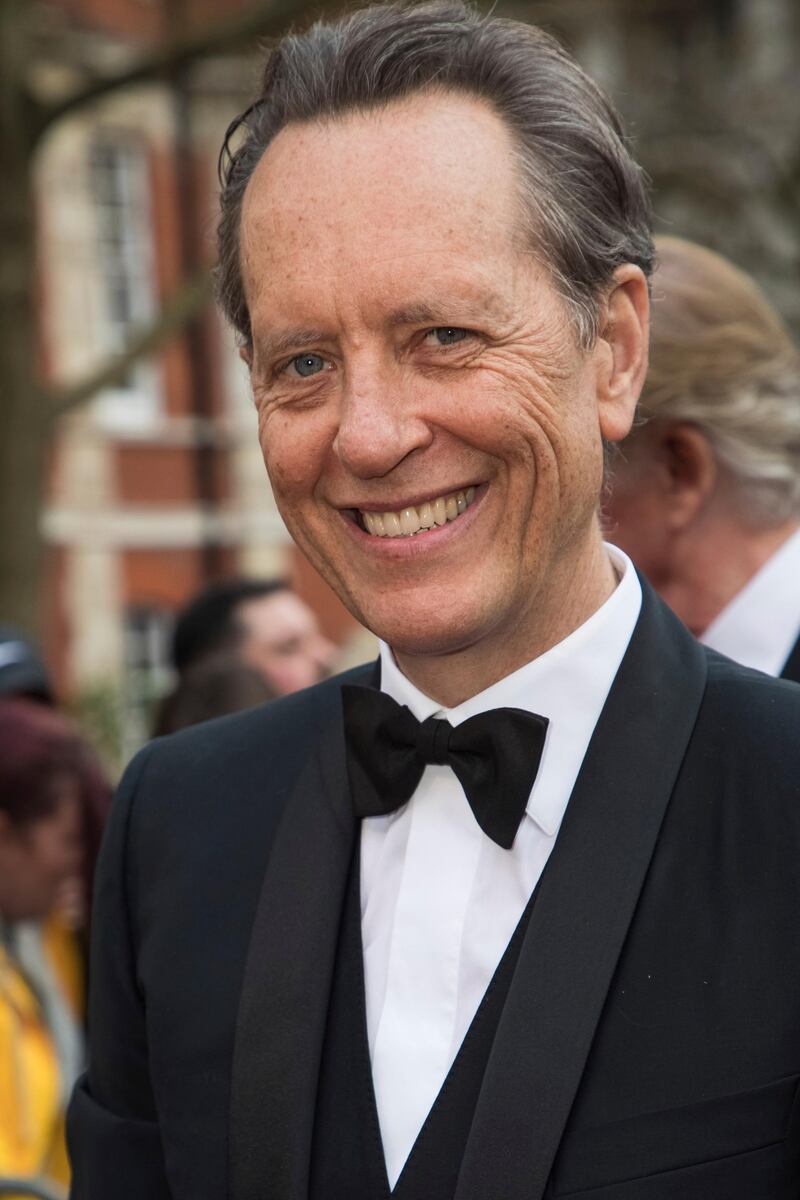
(512, 913)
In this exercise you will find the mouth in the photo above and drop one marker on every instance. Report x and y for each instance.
(413, 520)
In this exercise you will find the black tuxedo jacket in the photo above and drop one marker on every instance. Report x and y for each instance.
(791, 668)
(649, 1047)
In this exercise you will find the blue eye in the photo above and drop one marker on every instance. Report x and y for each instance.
(448, 335)
(308, 364)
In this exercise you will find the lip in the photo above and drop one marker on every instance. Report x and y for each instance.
(414, 502)
(421, 543)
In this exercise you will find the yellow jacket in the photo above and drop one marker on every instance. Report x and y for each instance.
(31, 1110)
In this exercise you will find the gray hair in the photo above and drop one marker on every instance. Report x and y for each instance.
(585, 198)
(722, 359)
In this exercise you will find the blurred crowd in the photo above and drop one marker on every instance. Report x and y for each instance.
(705, 497)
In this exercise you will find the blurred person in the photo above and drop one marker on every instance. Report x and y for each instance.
(511, 913)
(22, 671)
(24, 675)
(211, 688)
(41, 990)
(264, 622)
(705, 492)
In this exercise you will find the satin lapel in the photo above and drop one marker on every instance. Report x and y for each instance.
(286, 986)
(791, 668)
(585, 904)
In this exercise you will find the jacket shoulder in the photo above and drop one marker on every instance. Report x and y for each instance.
(749, 724)
(233, 767)
(272, 730)
(744, 694)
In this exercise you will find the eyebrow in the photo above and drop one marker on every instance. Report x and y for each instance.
(416, 313)
(427, 313)
(290, 339)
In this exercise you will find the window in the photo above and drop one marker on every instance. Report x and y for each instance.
(120, 196)
(148, 673)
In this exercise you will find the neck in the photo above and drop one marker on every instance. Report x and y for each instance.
(711, 566)
(569, 595)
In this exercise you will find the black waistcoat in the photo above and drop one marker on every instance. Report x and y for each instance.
(347, 1161)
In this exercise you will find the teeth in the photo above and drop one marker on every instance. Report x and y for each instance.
(409, 521)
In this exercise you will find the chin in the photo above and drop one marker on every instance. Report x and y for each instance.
(424, 634)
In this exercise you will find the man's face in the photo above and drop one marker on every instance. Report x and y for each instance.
(283, 642)
(411, 360)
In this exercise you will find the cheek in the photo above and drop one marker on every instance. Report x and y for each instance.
(294, 447)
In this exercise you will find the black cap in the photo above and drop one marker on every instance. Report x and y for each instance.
(22, 672)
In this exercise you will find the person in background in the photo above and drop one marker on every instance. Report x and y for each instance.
(42, 838)
(22, 672)
(705, 491)
(214, 687)
(24, 676)
(263, 623)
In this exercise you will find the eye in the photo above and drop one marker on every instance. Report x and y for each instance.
(307, 364)
(447, 335)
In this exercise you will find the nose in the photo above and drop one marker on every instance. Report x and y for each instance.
(380, 422)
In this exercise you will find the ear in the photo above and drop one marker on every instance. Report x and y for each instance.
(687, 470)
(621, 351)
(246, 355)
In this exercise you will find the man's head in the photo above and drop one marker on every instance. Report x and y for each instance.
(264, 623)
(434, 246)
(709, 480)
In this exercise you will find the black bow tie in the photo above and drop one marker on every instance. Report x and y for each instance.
(495, 757)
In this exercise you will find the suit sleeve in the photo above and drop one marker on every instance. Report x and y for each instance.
(112, 1124)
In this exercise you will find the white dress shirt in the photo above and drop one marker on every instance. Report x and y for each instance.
(439, 899)
(762, 622)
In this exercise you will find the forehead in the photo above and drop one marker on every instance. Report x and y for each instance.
(275, 615)
(428, 180)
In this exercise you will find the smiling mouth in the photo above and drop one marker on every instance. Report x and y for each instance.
(407, 522)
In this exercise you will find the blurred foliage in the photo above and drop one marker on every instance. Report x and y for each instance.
(99, 711)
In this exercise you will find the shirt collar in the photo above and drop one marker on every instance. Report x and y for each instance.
(568, 684)
(760, 625)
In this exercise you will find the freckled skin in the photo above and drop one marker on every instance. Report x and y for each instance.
(364, 235)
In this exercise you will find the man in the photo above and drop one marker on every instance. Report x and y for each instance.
(706, 490)
(359, 943)
(264, 623)
(237, 644)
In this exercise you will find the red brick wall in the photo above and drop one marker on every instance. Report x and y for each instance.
(162, 578)
(163, 475)
(140, 20)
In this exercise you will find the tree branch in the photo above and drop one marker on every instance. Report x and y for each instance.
(189, 300)
(262, 20)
